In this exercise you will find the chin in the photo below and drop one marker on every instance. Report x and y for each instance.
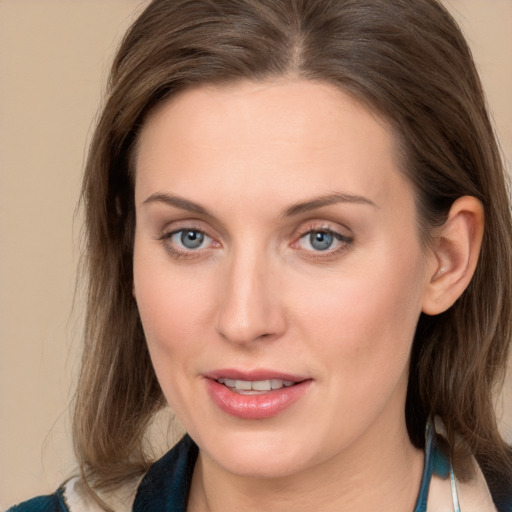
(257, 455)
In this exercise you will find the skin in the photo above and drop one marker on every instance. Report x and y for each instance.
(258, 295)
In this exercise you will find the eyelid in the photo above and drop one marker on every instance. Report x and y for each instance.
(166, 235)
(345, 241)
(191, 224)
(330, 227)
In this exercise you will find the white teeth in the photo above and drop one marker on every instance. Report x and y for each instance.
(276, 383)
(244, 385)
(247, 386)
(230, 383)
(261, 385)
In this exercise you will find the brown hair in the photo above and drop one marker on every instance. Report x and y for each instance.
(407, 60)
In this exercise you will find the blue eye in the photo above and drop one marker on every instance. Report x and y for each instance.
(189, 239)
(323, 240)
(188, 243)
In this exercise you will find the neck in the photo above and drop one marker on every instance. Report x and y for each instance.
(383, 472)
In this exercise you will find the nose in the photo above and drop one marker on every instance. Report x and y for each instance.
(250, 306)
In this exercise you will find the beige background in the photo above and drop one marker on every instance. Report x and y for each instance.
(54, 57)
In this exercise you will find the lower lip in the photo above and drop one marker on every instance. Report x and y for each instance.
(255, 407)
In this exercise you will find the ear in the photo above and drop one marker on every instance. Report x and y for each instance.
(455, 249)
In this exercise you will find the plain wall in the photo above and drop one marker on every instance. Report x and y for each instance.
(54, 57)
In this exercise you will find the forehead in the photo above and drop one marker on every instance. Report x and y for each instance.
(250, 137)
(277, 110)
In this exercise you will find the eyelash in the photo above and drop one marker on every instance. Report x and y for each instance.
(182, 253)
(344, 242)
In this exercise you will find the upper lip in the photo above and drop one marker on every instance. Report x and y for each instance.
(253, 375)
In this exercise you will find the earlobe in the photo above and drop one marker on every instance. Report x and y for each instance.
(455, 251)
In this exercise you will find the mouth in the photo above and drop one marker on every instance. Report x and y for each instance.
(255, 387)
(255, 395)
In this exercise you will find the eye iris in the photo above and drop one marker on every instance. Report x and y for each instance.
(192, 239)
(321, 240)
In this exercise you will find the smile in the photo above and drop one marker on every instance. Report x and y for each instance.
(255, 387)
(255, 395)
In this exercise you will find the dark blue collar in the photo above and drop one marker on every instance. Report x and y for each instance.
(166, 485)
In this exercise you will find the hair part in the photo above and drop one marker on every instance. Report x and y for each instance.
(405, 59)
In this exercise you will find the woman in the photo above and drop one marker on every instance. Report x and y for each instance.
(299, 237)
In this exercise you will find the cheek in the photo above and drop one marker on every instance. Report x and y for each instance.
(170, 309)
(363, 323)
(160, 310)
(167, 297)
(170, 319)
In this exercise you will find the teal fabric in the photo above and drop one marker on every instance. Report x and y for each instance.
(437, 463)
(52, 503)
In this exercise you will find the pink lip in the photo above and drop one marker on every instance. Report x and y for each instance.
(255, 407)
(261, 374)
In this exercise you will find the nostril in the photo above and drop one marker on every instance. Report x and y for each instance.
(248, 310)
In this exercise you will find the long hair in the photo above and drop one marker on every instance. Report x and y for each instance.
(406, 60)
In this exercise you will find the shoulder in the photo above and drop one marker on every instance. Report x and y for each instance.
(166, 482)
(51, 503)
(72, 497)
(476, 495)
(472, 496)
(79, 500)
(486, 491)
(500, 487)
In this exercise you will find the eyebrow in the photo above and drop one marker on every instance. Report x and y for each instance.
(178, 202)
(320, 202)
(291, 211)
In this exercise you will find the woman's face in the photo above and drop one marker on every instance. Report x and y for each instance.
(278, 272)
